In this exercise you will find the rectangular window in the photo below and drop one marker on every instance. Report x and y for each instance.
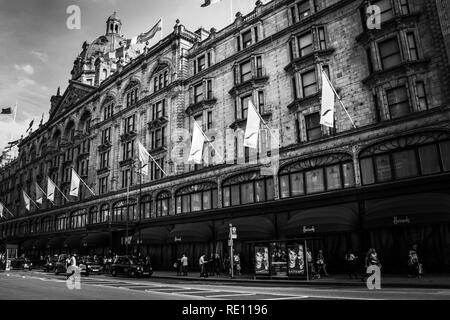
(297, 184)
(304, 9)
(127, 178)
(369, 60)
(226, 196)
(259, 67)
(284, 186)
(103, 185)
(256, 34)
(429, 159)
(383, 168)
(412, 46)
(106, 136)
(314, 181)
(294, 87)
(261, 101)
(130, 124)
(445, 155)
(322, 42)
(405, 164)
(238, 40)
(333, 177)
(104, 160)
(155, 84)
(186, 203)
(367, 174)
(398, 102)
(246, 71)
(209, 59)
(386, 9)
(196, 201)
(313, 128)
(293, 15)
(235, 195)
(128, 150)
(422, 95)
(206, 200)
(349, 175)
(404, 6)
(389, 53)
(210, 120)
(247, 39)
(305, 44)
(260, 191)
(166, 78)
(309, 83)
(198, 93)
(247, 193)
(209, 89)
(201, 63)
(244, 106)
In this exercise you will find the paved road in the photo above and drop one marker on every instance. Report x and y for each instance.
(40, 286)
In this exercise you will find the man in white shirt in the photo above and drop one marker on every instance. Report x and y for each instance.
(201, 262)
(184, 264)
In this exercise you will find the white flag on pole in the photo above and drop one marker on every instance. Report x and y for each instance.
(327, 110)
(51, 188)
(27, 200)
(1, 210)
(143, 158)
(198, 140)
(75, 184)
(39, 194)
(252, 128)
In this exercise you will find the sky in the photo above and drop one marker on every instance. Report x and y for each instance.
(37, 49)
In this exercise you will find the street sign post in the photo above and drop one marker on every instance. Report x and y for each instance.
(232, 235)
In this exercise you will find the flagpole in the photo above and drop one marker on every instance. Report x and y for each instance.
(84, 183)
(35, 204)
(207, 140)
(262, 120)
(62, 193)
(339, 98)
(153, 159)
(162, 28)
(7, 210)
(15, 113)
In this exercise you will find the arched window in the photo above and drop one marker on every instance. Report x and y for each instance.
(132, 93)
(104, 213)
(247, 188)
(163, 204)
(78, 219)
(319, 174)
(160, 77)
(196, 198)
(120, 211)
(146, 207)
(406, 157)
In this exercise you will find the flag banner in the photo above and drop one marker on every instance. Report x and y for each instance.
(39, 194)
(143, 158)
(198, 141)
(27, 200)
(252, 128)
(6, 111)
(147, 36)
(75, 184)
(327, 110)
(51, 188)
(1, 210)
(209, 2)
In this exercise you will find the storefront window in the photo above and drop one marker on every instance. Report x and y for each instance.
(196, 201)
(333, 178)
(406, 157)
(429, 159)
(146, 207)
(248, 188)
(314, 181)
(196, 198)
(297, 187)
(349, 175)
(284, 186)
(383, 166)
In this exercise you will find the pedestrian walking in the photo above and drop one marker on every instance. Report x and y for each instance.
(201, 262)
(71, 262)
(184, 264)
(351, 260)
(217, 264)
(415, 268)
(310, 262)
(237, 263)
(321, 265)
(177, 267)
(372, 259)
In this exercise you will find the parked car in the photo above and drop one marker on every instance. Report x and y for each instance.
(94, 266)
(61, 264)
(49, 266)
(131, 267)
(21, 264)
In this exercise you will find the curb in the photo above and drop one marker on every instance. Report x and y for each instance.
(309, 283)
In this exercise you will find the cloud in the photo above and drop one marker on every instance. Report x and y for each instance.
(40, 55)
(26, 82)
(28, 69)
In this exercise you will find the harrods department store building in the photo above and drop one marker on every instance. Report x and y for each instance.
(384, 184)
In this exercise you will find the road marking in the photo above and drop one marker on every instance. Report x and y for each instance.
(231, 295)
(288, 298)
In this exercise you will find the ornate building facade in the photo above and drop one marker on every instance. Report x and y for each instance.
(383, 184)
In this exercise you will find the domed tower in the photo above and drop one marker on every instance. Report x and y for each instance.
(113, 25)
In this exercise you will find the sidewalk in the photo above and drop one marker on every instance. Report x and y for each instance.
(432, 281)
